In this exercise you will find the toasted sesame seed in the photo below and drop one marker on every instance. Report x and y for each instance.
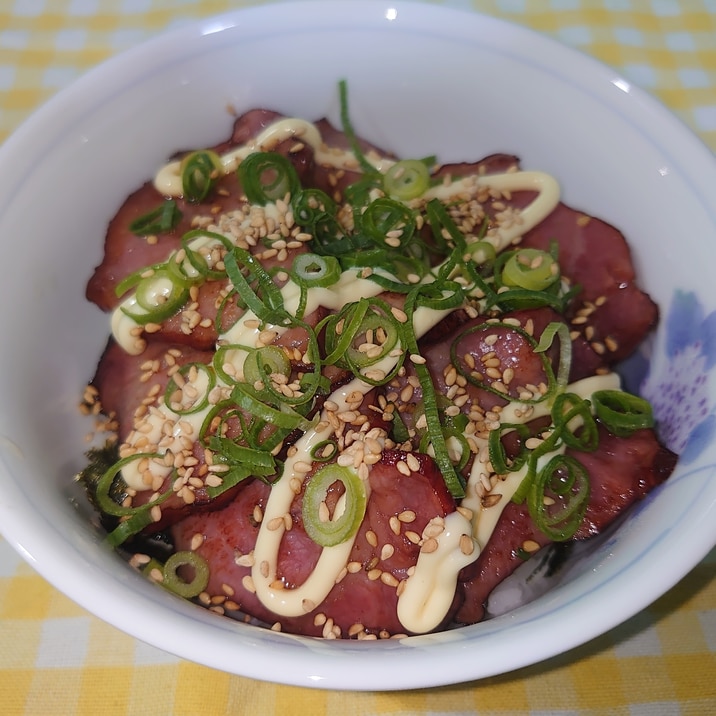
(467, 544)
(403, 468)
(430, 545)
(389, 580)
(491, 500)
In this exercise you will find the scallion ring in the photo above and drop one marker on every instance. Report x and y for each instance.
(267, 176)
(312, 270)
(482, 253)
(324, 451)
(532, 269)
(456, 444)
(263, 362)
(199, 171)
(133, 279)
(104, 485)
(558, 497)
(174, 583)
(190, 393)
(441, 295)
(228, 362)
(388, 223)
(199, 246)
(323, 528)
(573, 418)
(158, 297)
(376, 336)
(311, 206)
(407, 179)
(622, 413)
(499, 460)
(341, 328)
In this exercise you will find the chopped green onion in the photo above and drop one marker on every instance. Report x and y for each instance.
(498, 456)
(440, 295)
(482, 253)
(568, 409)
(550, 441)
(158, 221)
(267, 300)
(407, 179)
(257, 462)
(225, 359)
(560, 330)
(324, 529)
(246, 398)
(365, 165)
(198, 173)
(399, 430)
(377, 334)
(558, 497)
(312, 270)
(388, 223)
(129, 282)
(267, 177)
(312, 205)
(174, 583)
(104, 486)
(197, 257)
(159, 296)
(360, 335)
(133, 518)
(532, 269)
(342, 328)
(324, 451)
(453, 480)
(622, 413)
(174, 396)
(441, 221)
(261, 363)
(130, 527)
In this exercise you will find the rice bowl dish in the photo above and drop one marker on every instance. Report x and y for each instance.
(659, 541)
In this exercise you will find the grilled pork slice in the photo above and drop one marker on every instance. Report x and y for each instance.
(363, 600)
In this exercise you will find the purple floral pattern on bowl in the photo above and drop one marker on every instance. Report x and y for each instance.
(678, 390)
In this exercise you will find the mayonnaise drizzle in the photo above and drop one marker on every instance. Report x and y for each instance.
(430, 590)
(501, 236)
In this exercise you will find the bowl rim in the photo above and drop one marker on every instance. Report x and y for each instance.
(36, 546)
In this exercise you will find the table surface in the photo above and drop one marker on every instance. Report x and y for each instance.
(55, 658)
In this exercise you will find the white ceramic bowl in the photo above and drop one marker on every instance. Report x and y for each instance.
(423, 80)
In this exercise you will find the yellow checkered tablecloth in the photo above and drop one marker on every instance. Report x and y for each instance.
(57, 659)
